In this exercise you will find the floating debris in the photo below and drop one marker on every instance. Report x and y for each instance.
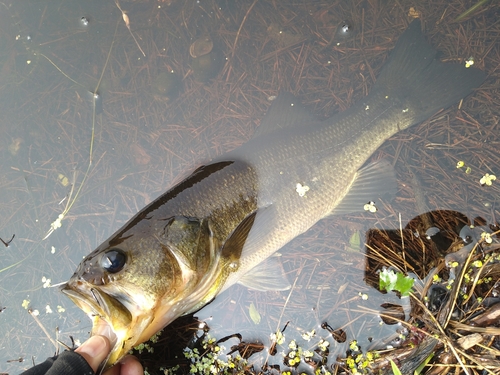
(301, 189)
(487, 179)
(201, 46)
(309, 335)
(46, 282)
(469, 62)
(345, 31)
(7, 243)
(15, 146)
(370, 206)
(473, 9)
(254, 314)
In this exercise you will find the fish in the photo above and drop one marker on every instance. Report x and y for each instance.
(222, 224)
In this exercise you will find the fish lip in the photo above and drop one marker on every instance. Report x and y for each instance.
(100, 317)
(81, 300)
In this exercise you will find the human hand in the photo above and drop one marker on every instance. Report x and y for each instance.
(96, 349)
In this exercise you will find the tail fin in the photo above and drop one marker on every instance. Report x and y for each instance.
(413, 73)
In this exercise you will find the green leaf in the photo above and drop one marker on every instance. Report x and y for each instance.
(395, 281)
(419, 369)
(387, 280)
(355, 241)
(404, 284)
(254, 314)
(395, 368)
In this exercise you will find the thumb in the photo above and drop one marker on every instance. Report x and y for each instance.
(94, 350)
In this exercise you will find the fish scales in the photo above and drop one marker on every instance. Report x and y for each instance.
(316, 161)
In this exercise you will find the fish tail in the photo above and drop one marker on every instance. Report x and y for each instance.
(427, 85)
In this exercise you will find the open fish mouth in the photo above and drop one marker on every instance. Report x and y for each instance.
(98, 307)
(114, 315)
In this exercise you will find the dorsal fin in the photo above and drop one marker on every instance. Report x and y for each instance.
(285, 112)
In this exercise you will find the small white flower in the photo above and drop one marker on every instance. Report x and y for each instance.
(323, 344)
(308, 335)
(469, 62)
(486, 237)
(370, 206)
(301, 189)
(46, 282)
(487, 179)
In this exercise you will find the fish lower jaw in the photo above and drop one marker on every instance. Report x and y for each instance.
(140, 329)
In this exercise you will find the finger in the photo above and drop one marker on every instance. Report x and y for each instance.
(115, 370)
(131, 366)
(127, 366)
(94, 350)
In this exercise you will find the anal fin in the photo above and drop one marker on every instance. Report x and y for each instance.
(372, 182)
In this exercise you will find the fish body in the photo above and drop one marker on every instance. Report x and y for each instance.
(228, 217)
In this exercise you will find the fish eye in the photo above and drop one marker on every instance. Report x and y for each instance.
(113, 260)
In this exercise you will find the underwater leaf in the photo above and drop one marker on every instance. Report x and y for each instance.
(355, 241)
(254, 314)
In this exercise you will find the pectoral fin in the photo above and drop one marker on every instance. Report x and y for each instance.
(267, 276)
(232, 248)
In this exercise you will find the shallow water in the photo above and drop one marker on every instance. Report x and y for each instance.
(54, 62)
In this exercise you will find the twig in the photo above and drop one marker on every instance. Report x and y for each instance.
(127, 23)
(43, 329)
(6, 243)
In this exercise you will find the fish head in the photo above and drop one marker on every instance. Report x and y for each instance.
(142, 279)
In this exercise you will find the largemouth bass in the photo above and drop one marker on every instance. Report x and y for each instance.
(219, 225)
